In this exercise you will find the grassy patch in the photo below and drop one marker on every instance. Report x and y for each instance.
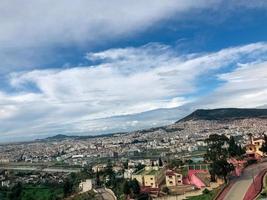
(206, 195)
(263, 194)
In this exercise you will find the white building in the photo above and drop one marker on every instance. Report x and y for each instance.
(86, 186)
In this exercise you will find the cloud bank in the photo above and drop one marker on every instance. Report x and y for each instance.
(129, 82)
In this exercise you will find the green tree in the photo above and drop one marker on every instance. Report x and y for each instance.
(217, 154)
(222, 169)
(68, 187)
(135, 187)
(160, 162)
(139, 167)
(166, 190)
(98, 181)
(234, 149)
(126, 189)
(175, 163)
(264, 145)
(216, 147)
(16, 192)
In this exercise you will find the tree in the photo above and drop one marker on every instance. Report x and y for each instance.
(98, 182)
(216, 150)
(166, 190)
(175, 163)
(135, 187)
(234, 149)
(68, 187)
(126, 188)
(125, 164)
(222, 169)
(160, 162)
(16, 193)
(139, 167)
(217, 154)
(109, 169)
(264, 145)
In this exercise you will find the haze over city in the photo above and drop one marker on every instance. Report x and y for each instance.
(94, 67)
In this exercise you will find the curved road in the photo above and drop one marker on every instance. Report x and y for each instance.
(104, 194)
(241, 185)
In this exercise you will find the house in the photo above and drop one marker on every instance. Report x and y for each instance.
(150, 176)
(173, 178)
(5, 183)
(128, 173)
(198, 178)
(239, 166)
(253, 148)
(86, 185)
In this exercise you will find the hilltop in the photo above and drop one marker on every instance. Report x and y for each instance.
(225, 114)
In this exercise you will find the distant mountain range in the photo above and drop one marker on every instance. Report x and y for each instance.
(225, 114)
(220, 114)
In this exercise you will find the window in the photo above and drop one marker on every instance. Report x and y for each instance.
(170, 177)
(151, 178)
(171, 182)
(151, 184)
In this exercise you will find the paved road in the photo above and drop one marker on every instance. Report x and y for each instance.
(240, 187)
(104, 194)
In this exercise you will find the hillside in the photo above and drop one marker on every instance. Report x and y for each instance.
(225, 114)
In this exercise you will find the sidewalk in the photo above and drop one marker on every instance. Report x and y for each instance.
(256, 187)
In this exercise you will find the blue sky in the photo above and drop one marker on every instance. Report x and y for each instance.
(92, 67)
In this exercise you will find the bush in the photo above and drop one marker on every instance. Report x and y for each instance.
(165, 190)
(206, 191)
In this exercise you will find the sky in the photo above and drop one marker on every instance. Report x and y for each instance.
(95, 67)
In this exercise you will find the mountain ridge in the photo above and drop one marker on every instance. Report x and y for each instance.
(225, 114)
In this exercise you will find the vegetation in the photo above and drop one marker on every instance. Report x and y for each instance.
(226, 114)
(31, 192)
(234, 149)
(263, 194)
(131, 188)
(264, 146)
(217, 154)
(207, 195)
(85, 196)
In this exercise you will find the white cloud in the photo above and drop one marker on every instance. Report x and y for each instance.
(246, 86)
(127, 82)
(30, 31)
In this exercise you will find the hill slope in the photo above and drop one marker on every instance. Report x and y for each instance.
(226, 114)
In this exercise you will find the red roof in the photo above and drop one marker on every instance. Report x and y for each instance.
(170, 173)
(191, 172)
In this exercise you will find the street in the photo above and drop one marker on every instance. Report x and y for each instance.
(240, 187)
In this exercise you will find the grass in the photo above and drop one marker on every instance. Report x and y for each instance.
(152, 172)
(41, 193)
(206, 196)
(263, 194)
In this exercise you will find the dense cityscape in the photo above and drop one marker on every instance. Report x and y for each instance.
(133, 100)
(100, 166)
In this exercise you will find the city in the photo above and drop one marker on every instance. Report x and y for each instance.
(133, 100)
(165, 161)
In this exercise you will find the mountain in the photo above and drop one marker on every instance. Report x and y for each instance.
(225, 114)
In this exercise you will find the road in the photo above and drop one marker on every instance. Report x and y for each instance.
(33, 168)
(104, 194)
(240, 187)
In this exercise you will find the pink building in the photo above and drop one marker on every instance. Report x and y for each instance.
(198, 178)
(239, 166)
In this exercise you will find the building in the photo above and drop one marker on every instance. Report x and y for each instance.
(86, 186)
(150, 176)
(173, 178)
(253, 148)
(198, 178)
(239, 166)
